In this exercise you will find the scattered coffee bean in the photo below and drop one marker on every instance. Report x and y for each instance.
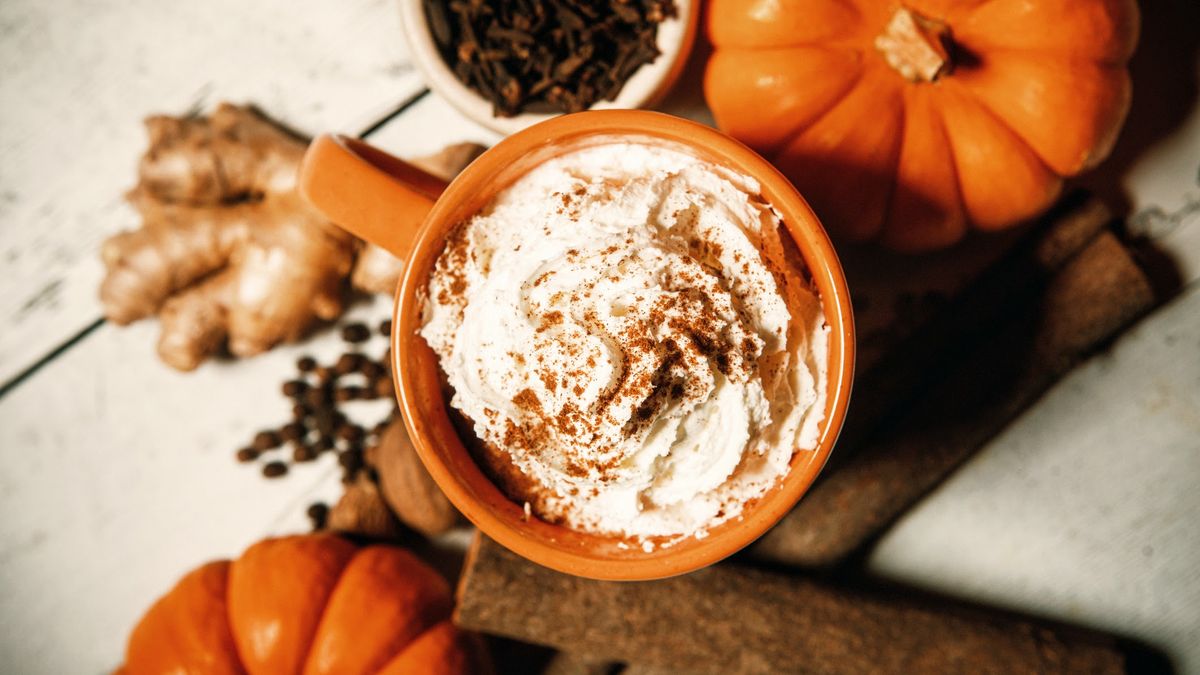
(324, 374)
(385, 328)
(274, 469)
(293, 431)
(306, 364)
(351, 460)
(266, 440)
(317, 513)
(356, 333)
(247, 455)
(303, 453)
(294, 388)
(323, 444)
(370, 369)
(347, 363)
(351, 433)
(383, 388)
(317, 397)
(300, 411)
(325, 422)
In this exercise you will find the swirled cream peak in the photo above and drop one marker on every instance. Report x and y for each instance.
(631, 338)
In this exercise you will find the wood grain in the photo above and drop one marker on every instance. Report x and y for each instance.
(79, 77)
(123, 469)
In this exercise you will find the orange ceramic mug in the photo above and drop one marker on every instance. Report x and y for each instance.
(408, 212)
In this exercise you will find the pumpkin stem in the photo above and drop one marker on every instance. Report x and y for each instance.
(916, 46)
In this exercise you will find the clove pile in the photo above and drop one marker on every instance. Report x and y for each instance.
(542, 55)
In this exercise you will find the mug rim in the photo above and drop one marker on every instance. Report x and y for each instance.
(425, 409)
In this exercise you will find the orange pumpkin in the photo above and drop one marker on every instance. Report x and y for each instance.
(910, 123)
(308, 603)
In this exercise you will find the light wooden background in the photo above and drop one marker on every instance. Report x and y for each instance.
(116, 473)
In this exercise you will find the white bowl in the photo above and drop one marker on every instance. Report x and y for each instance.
(644, 88)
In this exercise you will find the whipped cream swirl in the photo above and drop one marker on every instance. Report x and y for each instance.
(632, 339)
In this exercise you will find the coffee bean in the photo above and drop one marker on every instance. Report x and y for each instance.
(300, 411)
(293, 431)
(326, 422)
(317, 397)
(370, 369)
(317, 513)
(385, 328)
(356, 333)
(323, 444)
(383, 387)
(306, 364)
(351, 460)
(324, 374)
(294, 388)
(247, 455)
(303, 453)
(347, 363)
(351, 433)
(274, 469)
(266, 440)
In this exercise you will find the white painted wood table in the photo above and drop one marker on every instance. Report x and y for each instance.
(116, 473)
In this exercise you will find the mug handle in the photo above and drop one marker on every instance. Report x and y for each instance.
(367, 192)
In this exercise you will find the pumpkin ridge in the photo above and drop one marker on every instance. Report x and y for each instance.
(894, 171)
(878, 180)
(402, 598)
(1058, 56)
(834, 102)
(892, 214)
(1122, 17)
(851, 43)
(957, 90)
(1095, 151)
(319, 555)
(782, 24)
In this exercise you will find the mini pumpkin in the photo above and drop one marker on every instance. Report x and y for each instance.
(306, 604)
(910, 123)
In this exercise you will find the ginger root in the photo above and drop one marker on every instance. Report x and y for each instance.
(228, 254)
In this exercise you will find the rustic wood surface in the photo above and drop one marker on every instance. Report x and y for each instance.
(118, 472)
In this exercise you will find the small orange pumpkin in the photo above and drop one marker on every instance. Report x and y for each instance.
(307, 603)
(908, 123)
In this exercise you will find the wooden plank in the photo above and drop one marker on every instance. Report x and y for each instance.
(125, 475)
(119, 476)
(1084, 509)
(120, 468)
(427, 127)
(80, 75)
